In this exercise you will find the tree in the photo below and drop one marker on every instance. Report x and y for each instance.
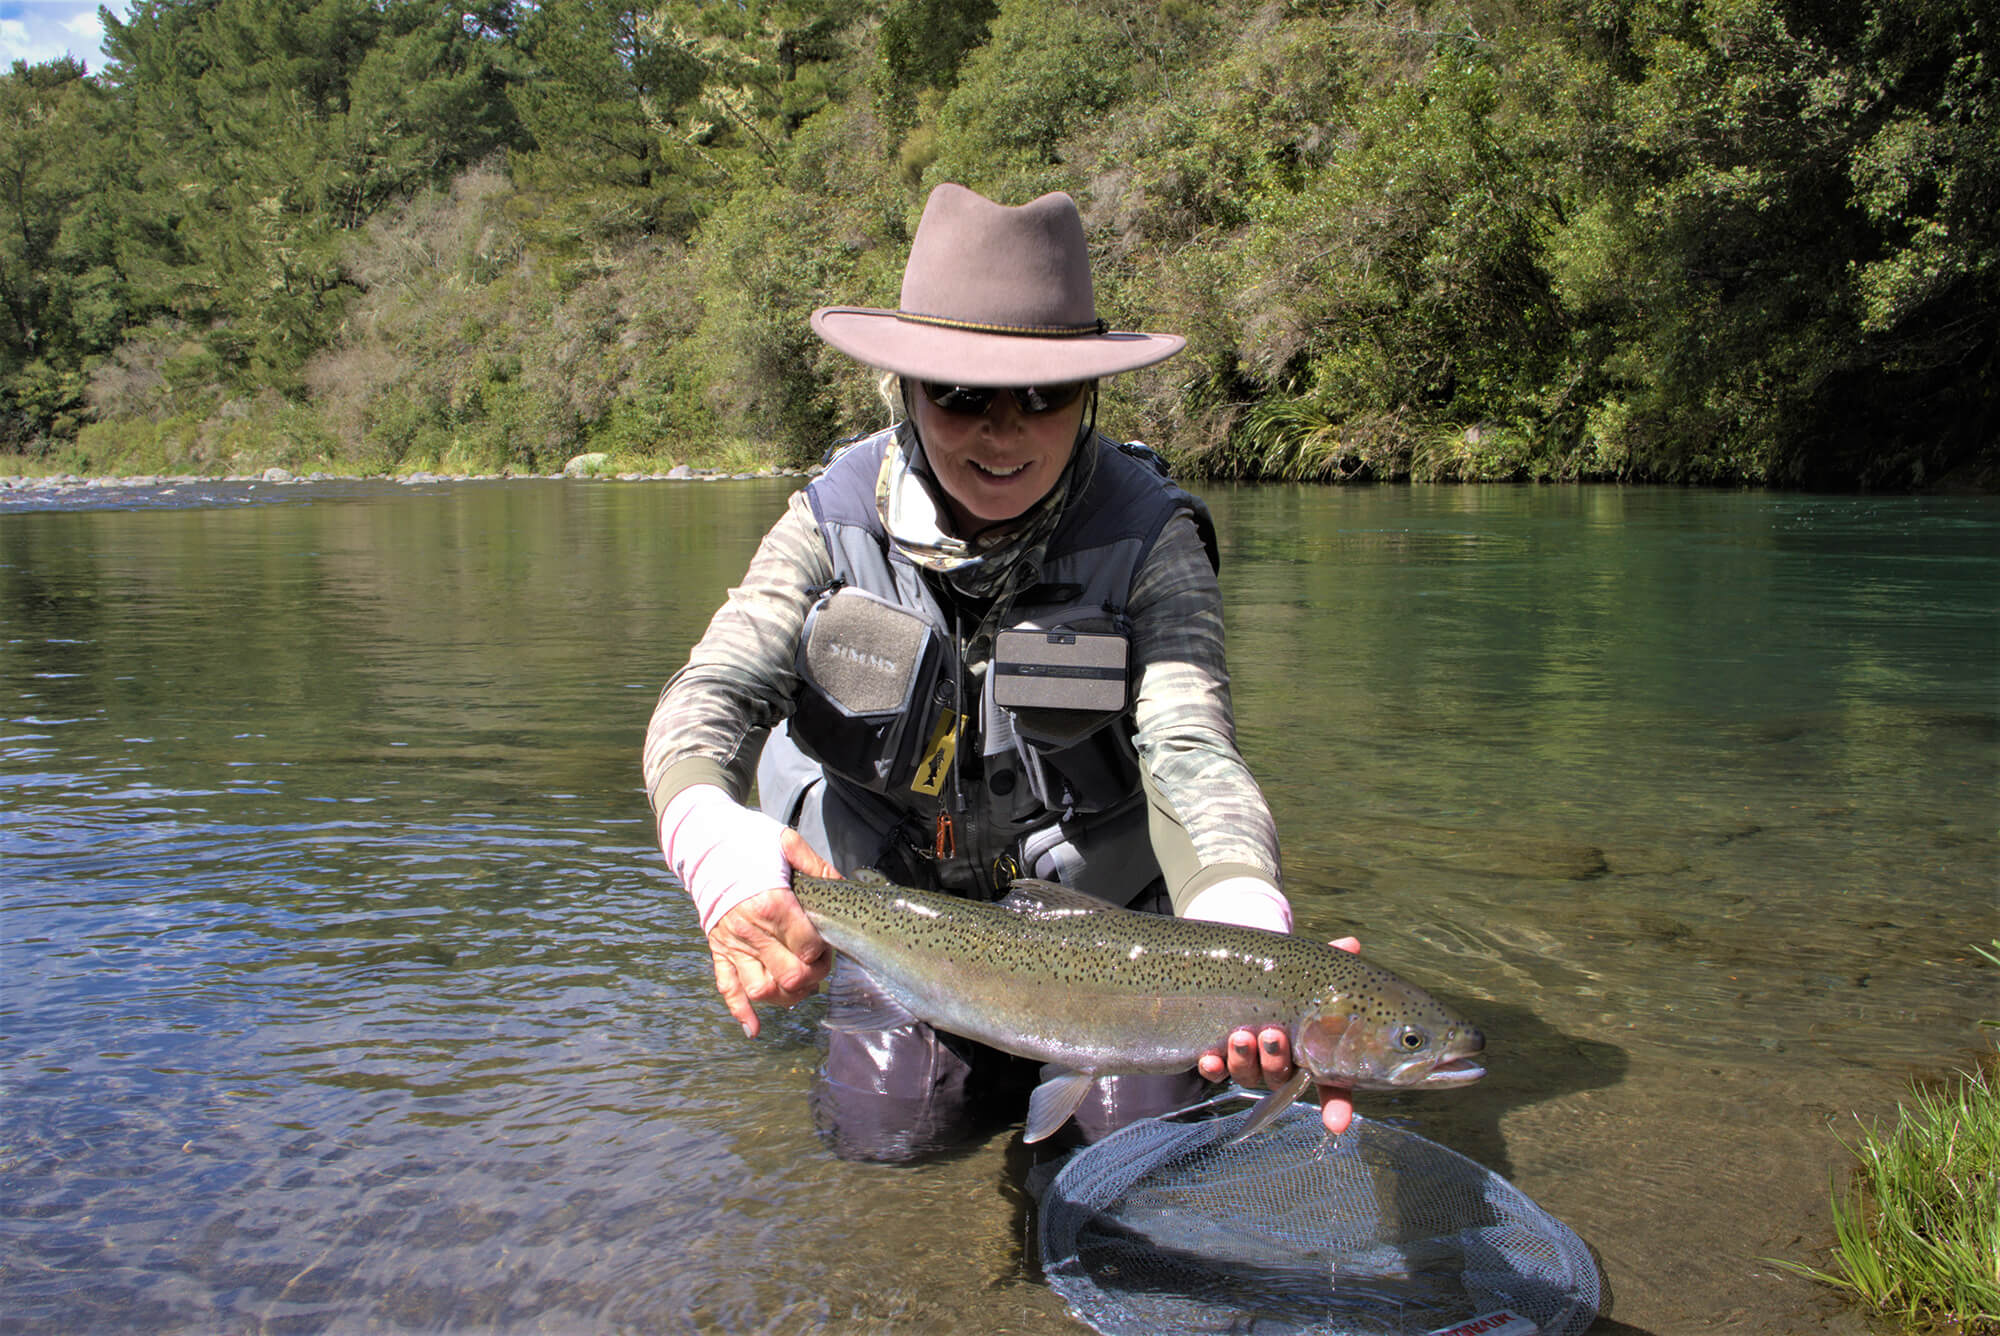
(918, 49)
(645, 115)
(1042, 75)
(1791, 251)
(611, 103)
(263, 132)
(52, 278)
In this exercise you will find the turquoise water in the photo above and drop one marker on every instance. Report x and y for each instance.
(340, 987)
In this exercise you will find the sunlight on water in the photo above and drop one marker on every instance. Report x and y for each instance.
(342, 987)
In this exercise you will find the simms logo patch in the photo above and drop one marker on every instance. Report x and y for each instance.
(863, 657)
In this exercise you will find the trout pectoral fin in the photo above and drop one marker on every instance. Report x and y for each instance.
(1053, 1102)
(1275, 1103)
(856, 1003)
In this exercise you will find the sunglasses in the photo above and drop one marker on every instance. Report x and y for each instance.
(974, 400)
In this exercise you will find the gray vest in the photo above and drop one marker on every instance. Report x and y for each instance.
(906, 712)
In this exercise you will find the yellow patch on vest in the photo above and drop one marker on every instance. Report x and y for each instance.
(936, 760)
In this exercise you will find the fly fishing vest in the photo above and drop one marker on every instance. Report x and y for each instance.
(975, 750)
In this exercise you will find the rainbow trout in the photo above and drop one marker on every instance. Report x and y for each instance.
(1052, 974)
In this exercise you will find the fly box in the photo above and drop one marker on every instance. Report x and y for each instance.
(1036, 669)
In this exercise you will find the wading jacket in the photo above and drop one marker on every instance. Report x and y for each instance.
(914, 750)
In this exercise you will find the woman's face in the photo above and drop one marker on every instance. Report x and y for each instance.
(994, 466)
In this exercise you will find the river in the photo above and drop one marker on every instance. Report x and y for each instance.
(341, 988)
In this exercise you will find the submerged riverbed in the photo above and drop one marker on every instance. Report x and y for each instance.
(341, 987)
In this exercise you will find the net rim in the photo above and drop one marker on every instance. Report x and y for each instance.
(1097, 1176)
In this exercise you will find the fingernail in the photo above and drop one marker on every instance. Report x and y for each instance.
(1270, 1046)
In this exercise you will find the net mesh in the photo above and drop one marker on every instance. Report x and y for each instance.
(1176, 1227)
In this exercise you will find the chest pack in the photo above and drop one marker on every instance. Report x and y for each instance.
(893, 684)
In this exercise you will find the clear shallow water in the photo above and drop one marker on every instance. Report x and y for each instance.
(340, 988)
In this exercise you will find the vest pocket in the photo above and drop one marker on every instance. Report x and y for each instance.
(1060, 681)
(866, 667)
(1091, 774)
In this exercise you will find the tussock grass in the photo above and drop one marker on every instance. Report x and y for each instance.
(1917, 1230)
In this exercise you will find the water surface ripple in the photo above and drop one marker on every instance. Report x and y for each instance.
(341, 990)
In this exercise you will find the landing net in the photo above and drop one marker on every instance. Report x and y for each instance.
(1170, 1227)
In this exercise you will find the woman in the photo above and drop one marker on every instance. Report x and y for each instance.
(987, 642)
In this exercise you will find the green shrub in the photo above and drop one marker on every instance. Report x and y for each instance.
(129, 446)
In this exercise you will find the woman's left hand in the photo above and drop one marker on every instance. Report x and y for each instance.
(1263, 1058)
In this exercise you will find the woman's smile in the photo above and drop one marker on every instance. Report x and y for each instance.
(995, 466)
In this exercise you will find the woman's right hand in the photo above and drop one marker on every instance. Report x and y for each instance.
(765, 949)
(737, 863)
(1263, 1059)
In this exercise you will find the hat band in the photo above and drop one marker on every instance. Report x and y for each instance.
(1028, 331)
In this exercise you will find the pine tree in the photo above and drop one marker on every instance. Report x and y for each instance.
(611, 104)
(48, 281)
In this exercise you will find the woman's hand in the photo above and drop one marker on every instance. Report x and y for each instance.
(765, 949)
(737, 863)
(1263, 1058)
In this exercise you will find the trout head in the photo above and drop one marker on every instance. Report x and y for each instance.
(1385, 1034)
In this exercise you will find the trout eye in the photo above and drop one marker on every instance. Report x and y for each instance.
(1411, 1039)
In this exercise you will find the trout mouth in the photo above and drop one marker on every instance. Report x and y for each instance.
(1416, 1073)
(1457, 1072)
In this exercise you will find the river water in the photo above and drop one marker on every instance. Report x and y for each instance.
(341, 988)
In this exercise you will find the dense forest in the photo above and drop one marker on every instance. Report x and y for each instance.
(1679, 240)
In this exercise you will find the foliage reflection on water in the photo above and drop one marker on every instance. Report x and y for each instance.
(342, 987)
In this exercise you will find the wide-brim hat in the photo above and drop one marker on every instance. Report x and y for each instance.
(994, 295)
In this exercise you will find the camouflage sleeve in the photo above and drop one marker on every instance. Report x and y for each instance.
(740, 679)
(1209, 818)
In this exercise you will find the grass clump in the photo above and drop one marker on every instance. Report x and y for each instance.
(1917, 1232)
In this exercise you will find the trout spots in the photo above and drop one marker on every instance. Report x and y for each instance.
(1117, 985)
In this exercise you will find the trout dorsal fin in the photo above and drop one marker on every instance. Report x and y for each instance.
(1047, 899)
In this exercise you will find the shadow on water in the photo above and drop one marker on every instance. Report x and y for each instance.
(1528, 1062)
(1607, 1325)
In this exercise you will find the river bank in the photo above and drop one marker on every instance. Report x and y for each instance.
(18, 492)
(65, 483)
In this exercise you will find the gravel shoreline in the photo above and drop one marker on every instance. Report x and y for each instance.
(70, 482)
